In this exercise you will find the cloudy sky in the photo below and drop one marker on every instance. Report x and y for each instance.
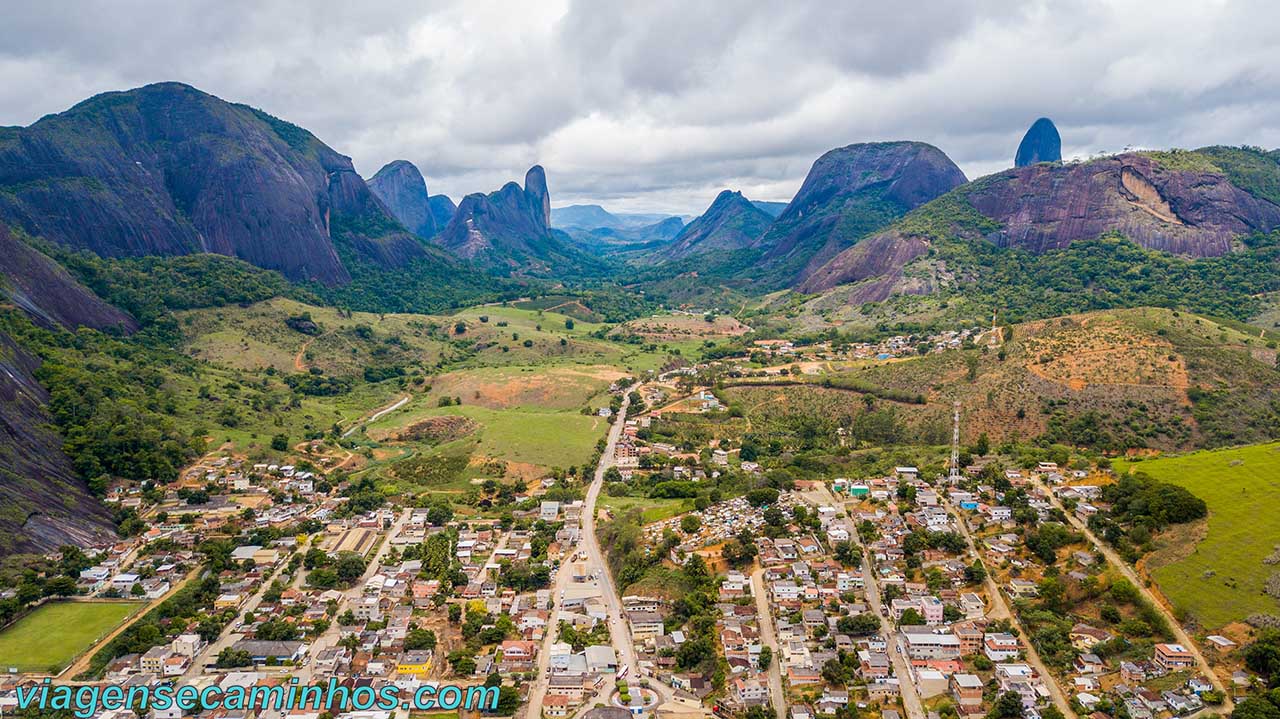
(657, 105)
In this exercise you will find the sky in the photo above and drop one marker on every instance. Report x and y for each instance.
(656, 106)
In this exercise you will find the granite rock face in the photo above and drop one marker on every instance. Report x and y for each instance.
(508, 231)
(403, 190)
(166, 169)
(849, 193)
(1043, 207)
(1041, 144)
(39, 286)
(442, 209)
(732, 222)
(1184, 212)
(46, 504)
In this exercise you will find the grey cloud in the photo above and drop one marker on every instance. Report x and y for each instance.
(658, 105)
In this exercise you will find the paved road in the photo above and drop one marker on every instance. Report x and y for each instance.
(901, 669)
(334, 633)
(619, 630)
(229, 634)
(1118, 562)
(769, 639)
(1001, 609)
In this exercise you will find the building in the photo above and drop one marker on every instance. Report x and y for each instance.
(646, 624)
(966, 689)
(1172, 657)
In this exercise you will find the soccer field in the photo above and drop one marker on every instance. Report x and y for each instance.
(48, 639)
(1223, 578)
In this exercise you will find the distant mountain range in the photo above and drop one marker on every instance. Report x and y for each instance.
(168, 170)
(590, 217)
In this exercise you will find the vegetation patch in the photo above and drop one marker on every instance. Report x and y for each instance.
(49, 638)
(1224, 578)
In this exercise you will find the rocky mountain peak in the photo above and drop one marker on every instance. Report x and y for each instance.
(1041, 144)
(403, 190)
(535, 185)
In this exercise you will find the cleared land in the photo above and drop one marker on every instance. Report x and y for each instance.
(47, 639)
(1223, 579)
(651, 510)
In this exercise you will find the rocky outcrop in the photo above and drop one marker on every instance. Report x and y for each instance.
(40, 287)
(880, 257)
(1162, 206)
(442, 209)
(167, 170)
(1040, 144)
(1195, 213)
(849, 193)
(732, 222)
(45, 504)
(508, 232)
(403, 190)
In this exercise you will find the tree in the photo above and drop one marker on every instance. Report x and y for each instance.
(420, 639)
(1256, 708)
(1007, 706)
(349, 567)
(280, 442)
(229, 658)
(983, 445)
(859, 625)
(462, 662)
(690, 523)
(763, 496)
(62, 586)
(766, 658)
(911, 617)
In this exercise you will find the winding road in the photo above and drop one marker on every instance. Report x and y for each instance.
(1118, 562)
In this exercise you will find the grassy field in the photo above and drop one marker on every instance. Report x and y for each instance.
(527, 439)
(48, 639)
(1223, 578)
(652, 510)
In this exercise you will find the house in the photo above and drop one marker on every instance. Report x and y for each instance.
(646, 624)
(555, 706)
(966, 689)
(749, 692)
(1087, 663)
(1172, 657)
(920, 645)
(1000, 646)
(264, 651)
(515, 650)
(414, 663)
(1084, 637)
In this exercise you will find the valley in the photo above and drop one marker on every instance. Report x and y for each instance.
(908, 444)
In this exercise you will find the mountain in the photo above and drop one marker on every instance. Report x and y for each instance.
(1190, 204)
(850, 192)
(623, 240)
(166, 169)
(584, 216)
(591, 217)
(732, 222)
(40, 287)
(403, 190)
(46, 504)
(1040, 144)
(442, 209)
(772, 208)
(509, 232)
